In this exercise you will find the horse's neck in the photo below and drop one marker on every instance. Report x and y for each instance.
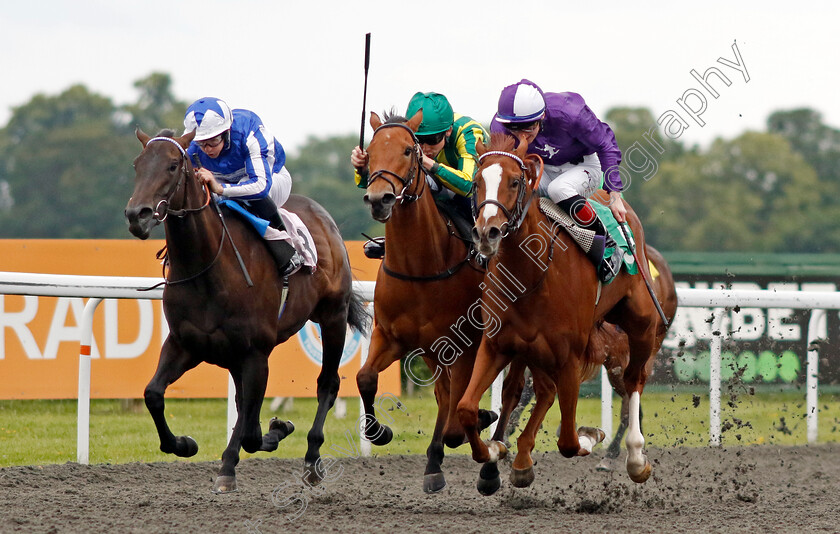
(535, 248)
(192, 241)
(417, 237)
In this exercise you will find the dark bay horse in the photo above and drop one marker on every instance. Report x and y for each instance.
(609, 345)
(546, 309)
(215, 317)
(426, 289)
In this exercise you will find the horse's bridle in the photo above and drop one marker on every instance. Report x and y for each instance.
(515, 215)
(408, 179)
(160, 214)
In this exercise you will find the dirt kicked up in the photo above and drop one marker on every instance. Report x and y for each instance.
(754, 489)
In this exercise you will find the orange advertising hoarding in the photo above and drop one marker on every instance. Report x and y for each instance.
(39, 336)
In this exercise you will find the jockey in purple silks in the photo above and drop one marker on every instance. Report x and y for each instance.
(577, 148)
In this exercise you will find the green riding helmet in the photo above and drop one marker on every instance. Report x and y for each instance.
(437, 112)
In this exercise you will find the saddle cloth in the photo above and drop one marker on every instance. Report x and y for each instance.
(584, 237)
(296, 233)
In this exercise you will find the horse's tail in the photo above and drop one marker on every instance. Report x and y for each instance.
(357, 314)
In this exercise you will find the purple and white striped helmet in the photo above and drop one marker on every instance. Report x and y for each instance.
(521, 102)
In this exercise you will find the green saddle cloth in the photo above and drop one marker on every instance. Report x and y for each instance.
(605, 214)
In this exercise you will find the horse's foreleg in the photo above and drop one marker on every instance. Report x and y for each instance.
(522, 473)
(173, 363)
(381, 355)
(488, 365)
(573, 442)
(332, 340)
(250, 379)
(433, 479)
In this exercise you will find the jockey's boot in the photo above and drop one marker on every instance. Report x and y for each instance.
(582, 213)
(288, 259)
(375, 248)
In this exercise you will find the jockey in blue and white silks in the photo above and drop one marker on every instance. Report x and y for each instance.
(252, 162)
(242, 161)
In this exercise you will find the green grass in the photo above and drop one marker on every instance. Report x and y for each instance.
(44, 432)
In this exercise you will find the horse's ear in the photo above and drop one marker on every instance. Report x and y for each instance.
(414, 122)
(521, 147)
(480, 147)
(142, 136)
(534, 165)
(375, 121)
(186, 139)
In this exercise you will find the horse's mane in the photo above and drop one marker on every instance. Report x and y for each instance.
(166, 132)
(392, 117)
(502, 142)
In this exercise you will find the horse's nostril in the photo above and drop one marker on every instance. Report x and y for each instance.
(494, 234)
(366, 200)
(389, 199)
(475, 235)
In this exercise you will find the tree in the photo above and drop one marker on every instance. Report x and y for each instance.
(157, 107)
(322, 171)
(753, 193)
(65, 168)
(819, 145)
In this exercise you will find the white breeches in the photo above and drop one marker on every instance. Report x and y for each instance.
(567, 180)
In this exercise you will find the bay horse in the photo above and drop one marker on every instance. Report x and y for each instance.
(426, 288)
(546, 299)
(608, 344)
(215, 316)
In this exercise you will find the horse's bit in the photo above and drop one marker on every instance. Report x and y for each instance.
(160, 214)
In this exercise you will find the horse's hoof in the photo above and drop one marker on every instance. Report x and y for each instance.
(283, 427)
(588, 437)
(224, 484)
(382, 437)
(313, 478)
(522, 478)
(433, 482)
(606, 465)
(642, 475)
(488, 479)
(488, 487)
(497, 450)
(185, 447)
(486, 418)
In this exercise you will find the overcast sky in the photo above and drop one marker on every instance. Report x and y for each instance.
(299, 65)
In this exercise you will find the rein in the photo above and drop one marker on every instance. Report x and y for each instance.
(403, 197)
(181, 213)
(185, 171)
(515, 215)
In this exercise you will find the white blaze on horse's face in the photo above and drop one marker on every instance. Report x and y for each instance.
(492, 180)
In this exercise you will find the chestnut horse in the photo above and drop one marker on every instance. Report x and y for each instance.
(216, 317)
(546, 299)
(426, 289)
(608, 344)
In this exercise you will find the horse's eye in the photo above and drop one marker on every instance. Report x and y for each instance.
(173, 167)
(514, 184)
(408, 151)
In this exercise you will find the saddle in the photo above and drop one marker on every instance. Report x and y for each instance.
(584, 237)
